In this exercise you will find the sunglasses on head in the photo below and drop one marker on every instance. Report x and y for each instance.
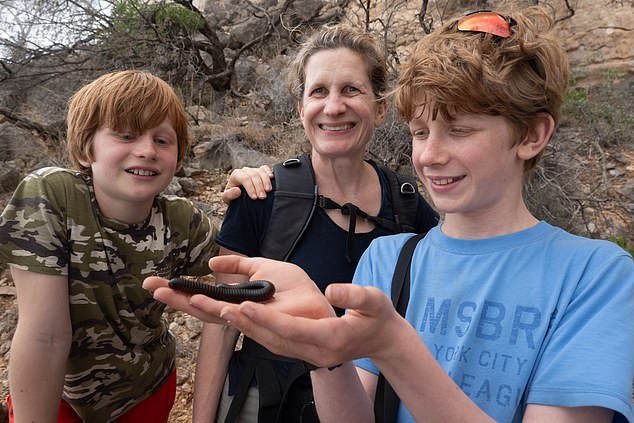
(488, 22)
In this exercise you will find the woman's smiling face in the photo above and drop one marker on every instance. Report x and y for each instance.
(339, 110)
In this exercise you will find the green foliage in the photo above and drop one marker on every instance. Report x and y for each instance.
(126, 19)
(125, 8)
(605, 108)
(134, 17)
(624, 243)
(576, 95)
(612, 76)
(174, 14)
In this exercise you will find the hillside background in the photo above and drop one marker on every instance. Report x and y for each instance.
(228, 58)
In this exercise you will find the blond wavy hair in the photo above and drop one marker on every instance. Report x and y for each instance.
(332, 38)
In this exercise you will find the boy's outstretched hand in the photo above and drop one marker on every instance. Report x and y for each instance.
(295, 293)
(299, 321)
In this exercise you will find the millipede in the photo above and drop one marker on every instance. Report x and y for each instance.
(258, 290)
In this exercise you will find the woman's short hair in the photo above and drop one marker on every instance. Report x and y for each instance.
(334, 37)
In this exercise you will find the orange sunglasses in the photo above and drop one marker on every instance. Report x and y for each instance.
(488, 22)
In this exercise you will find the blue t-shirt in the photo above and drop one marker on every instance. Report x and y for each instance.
(539, 316)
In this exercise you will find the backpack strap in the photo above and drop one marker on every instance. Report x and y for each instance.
(296, 196)
(386, 401)
(295, 199)
(404, 192)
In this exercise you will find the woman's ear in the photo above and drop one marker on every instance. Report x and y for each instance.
(537, 136)
(381, 111)
(300, 109)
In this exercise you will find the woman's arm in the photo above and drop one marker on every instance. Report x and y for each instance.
(216, 347)
(255, 181)
(40, 346)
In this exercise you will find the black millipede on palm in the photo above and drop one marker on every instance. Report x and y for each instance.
(259, 290)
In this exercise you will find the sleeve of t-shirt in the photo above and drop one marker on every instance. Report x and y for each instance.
(33, 233)
(245, 223)
(589, 358)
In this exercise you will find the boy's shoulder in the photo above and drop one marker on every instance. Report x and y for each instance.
(387, 243)
(53, 176)
(181, 210)
(49, 172)
(577, 244)
(175, 205)
(50, 184)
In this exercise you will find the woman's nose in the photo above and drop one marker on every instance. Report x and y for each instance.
(335, 104)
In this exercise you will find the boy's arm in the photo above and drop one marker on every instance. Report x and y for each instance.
(343, 394)
(420, 382)
(543, 413)
(216, 347)
(40, 346)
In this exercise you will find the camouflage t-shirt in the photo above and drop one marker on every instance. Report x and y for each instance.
(121, 350)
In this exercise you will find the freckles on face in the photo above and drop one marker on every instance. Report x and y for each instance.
(467, 163)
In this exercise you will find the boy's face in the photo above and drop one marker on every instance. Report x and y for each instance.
(130, 169)
(467, 164)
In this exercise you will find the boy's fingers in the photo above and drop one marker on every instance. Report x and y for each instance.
(267, 170)
(256, 181)
(279, 332)
(235, 264)
(365, 300)
(154, 282)
(240, 178)
(266, 174)
(209, 306)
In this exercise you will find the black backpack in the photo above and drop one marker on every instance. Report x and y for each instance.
(296, 198)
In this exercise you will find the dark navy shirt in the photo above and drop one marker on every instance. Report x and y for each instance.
(321, 252)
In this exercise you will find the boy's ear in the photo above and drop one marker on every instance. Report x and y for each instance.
(537, 137)
(85, 163)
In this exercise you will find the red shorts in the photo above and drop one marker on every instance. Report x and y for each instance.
(155, 408)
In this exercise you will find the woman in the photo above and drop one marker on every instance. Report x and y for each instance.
(339, 106)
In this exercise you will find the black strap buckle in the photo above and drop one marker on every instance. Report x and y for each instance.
(407, 188)
(291, 162)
